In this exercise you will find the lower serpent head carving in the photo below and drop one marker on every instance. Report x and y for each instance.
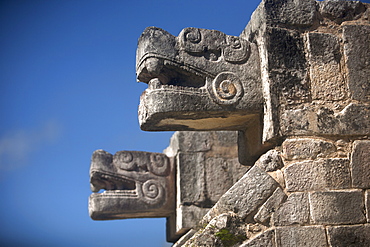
(137, 184)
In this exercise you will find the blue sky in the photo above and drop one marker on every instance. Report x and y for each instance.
(68, 87)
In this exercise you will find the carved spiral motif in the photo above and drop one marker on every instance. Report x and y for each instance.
(234, 42)
(152, 191)
(192, 35)
(125, 160)
(226, 89)
(159, 164)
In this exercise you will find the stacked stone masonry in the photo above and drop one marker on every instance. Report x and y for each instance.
(318, 208)
(284, 159)
(313, 188)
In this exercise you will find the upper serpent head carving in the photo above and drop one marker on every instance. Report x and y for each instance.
(196, 79)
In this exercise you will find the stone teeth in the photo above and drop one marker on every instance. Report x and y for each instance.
(154, 83)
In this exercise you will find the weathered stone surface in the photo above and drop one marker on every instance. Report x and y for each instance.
(223, 230)
(290, 13)
(220, 175)
(327, 81)
(192, 182)
(206, 168)
(360, 164)
(318, 175)
(337, 207)
(307, 148)
(270, 206)
(300, 236)
(367, 205)
(265, 239)
(188, 216)
(295, 210)
(209, 72)
(349, 236)
(353, 119)
(136, 184)
(297, 122)
(341, 10)
(357, 52)
(270, 161)
(287, 64)
(246, 195)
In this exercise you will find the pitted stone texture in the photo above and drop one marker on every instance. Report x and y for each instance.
(246, 195)
(290, 13)
(320, 174)
(297, 121)
(327, 81)
(265, 239)
(307, 148)
(337, 207)
(270, 161)
(360, 164)
(341, 10)
(287, 64)
(301, 236)
(353, 119)
(295, 210)
(367, 205)
(357, 52)
(349, 236)
(270, 206)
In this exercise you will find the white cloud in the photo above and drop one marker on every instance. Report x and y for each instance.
(16, 146)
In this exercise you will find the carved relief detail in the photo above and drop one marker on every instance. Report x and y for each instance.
(226, 89)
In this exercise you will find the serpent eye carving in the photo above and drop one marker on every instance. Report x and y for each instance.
(225, 89)
(124, 160)
(192, 35)
(237, 49)
(190, 40)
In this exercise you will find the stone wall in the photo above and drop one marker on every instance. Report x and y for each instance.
(313, 187)
(307, 192)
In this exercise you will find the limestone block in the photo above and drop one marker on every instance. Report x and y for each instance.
(191, 180)
(297, 121)
(360, 164)
(357, 53)
(349, 236)
(295, 210)
(289, 12)
(265, 239)
(270, 206)
(287, 65)
(246, 195)
(327, 81)
(188, 216)
(270, 161)
(337, 207)
(320, 174)
(367, 204)
(306, 148)
(354, 119)
(220, 175)
(190, 141)
(300, 236)
(340, 11)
